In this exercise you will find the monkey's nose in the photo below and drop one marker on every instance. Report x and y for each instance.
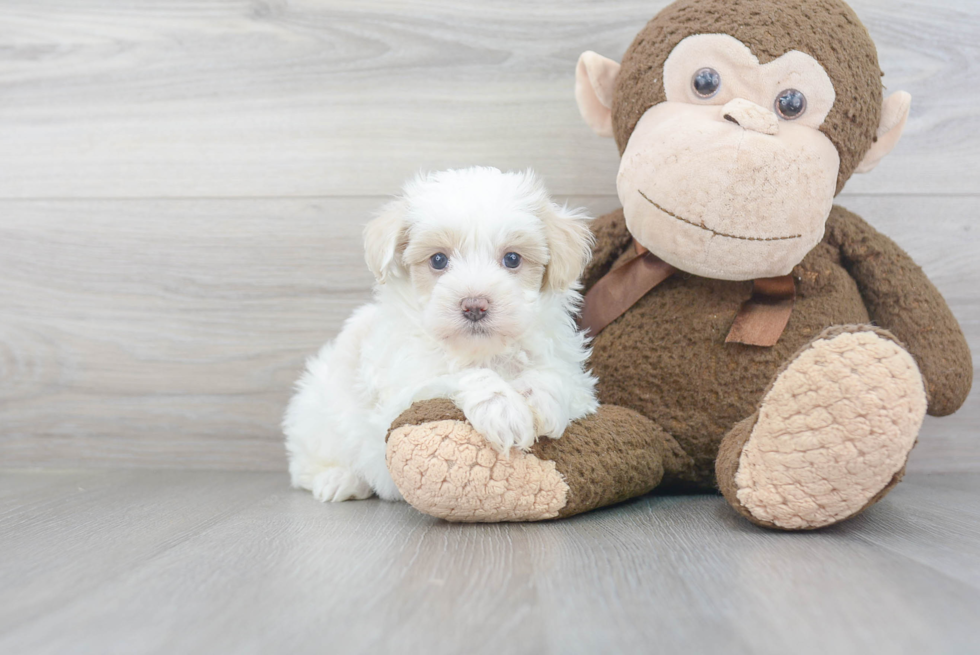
(475, 309)
(750, 116)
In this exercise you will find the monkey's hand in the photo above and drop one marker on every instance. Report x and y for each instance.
(901, 299)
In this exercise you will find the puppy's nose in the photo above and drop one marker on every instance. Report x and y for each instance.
(475, 309)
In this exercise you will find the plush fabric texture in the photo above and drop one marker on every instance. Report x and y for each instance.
(724, 202)
(611, 456)
(673, 389)
(448, 470)
(827, 30)
(666, 358)
(595, 82)
(727, 465)
(444, 468)
(753, 117)
(901, 298)
(754, 81)
(798, 435)
(833, 430)
(440, 409)
(894, 116)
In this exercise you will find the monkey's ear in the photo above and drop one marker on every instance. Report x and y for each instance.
(383, 238)
(595, 80)
(894, 115)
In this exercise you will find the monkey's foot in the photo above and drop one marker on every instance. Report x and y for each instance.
(445, 468)
(831, 436)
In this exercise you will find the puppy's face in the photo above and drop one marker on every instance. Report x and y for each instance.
(476, 284)
(476, 250)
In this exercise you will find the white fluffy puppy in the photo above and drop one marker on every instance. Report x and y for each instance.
(476, 288)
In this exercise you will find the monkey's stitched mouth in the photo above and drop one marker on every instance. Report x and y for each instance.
(716, 232)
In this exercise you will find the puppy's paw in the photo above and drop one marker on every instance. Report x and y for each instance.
(549, 418)
(505, 420)
(497, 411)
(338, 484)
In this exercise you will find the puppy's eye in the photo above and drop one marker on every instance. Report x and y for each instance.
(512, 260)
(438, 261)
(790, 104)
(706, 82)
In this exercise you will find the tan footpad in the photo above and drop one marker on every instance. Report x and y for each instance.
(446, 469)
(833, 431)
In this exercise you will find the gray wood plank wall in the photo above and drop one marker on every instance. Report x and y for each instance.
(183, 184)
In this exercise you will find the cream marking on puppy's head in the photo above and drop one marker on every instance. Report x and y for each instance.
(473, 251)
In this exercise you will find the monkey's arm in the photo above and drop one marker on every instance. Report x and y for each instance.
(611, 239)
(901, 299)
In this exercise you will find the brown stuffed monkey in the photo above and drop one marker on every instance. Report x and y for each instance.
(771, 345)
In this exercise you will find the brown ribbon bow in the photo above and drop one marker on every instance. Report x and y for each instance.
(759, 322)
(763, 317)
(621, 288)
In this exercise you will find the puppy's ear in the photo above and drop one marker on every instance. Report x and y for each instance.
(569, 243)
(384, 238)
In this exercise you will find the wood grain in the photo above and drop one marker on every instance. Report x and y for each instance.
(183, 184)
(182, 188)
(195, 562)
(66, 533)
(935, 521)
(181, 324)
(232, 98)
(167, 333)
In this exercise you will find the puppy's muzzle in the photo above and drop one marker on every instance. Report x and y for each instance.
(475, 309)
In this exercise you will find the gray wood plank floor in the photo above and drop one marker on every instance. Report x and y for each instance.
(236, 562)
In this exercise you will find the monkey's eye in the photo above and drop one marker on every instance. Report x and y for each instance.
(512, 260)
(438, 261)
(706, 82)
(790, 104)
